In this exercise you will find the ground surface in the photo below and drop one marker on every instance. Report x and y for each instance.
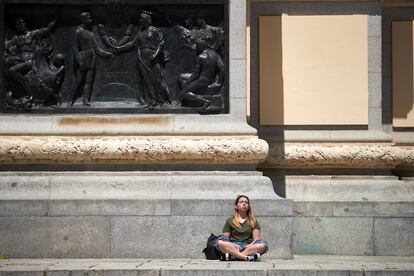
(300, 265)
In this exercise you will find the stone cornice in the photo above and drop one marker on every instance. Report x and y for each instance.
(385, 3)
(397, 3)
(132, 150)
(341, 155)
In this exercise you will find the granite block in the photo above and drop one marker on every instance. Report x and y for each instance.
(28, 186)
(221, 207)
(139, 207)
(388, 273)
(221, 187)
(223, 124)
(374, 54)
(57, 237)
(313, 209)
(238, 108)
(333, 8)
(374, 90)
(325, 235)
(374, 25)
(349, 190)
(202, 272)
(131, 236)
(394, 236)
(237, 36)
(113, 124)
(23, 124)
(238, 78)
(21, 273)
(374, 209)
(116, 186)
(277, 231)
(153, 237)
(354, 209)
(17, 208)
(375, 118)
(314, 272)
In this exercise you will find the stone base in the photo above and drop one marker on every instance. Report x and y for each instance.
(349, 188)
(131, 214)
(359, 215)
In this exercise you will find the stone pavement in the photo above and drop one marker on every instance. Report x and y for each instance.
(309, 265)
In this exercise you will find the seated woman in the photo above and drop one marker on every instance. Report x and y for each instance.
(241, 234)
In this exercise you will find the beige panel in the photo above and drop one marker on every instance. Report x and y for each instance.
(402, 74)
(270, 70)
(324, 78)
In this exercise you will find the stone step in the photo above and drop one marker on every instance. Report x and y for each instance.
(373, 189)
(354, 228)
(131, 214)
(306, 265)
(136, 194)
(380, 209)
(134, 185)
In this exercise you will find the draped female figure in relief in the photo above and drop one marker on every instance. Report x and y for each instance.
(149, 42)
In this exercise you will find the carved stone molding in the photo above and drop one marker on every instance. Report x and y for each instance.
(397, 3)
(385, 3)
(379, 156)
(131, 150)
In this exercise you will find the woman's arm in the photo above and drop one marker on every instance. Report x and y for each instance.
(226, 234)
(256, 235)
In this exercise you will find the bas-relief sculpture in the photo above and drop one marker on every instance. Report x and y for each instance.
(150, 63)
(34, 71)
(84, 52)
(121, 61)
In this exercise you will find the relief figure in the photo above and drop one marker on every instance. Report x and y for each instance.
(116, 57)
(149, 42)
(207, 78)
(84, 52)
(197, 28)
(33, 71)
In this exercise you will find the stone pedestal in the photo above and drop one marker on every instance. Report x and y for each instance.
(131, 214)
(135, 185)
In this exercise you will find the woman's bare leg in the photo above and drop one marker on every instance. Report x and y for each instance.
(228, 247)
(254, 248)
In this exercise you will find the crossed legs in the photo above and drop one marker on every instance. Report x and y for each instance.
(234, 250)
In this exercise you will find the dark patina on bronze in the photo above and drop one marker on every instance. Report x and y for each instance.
(133, 57)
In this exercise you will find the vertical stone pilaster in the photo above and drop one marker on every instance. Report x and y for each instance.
(375, 69)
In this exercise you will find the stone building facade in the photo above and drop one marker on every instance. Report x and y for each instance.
(319, 134)
(331, 92)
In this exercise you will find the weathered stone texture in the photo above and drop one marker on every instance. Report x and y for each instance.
(125, 150)
(47, 237)
(131, 235)
(329, 235)
(394, 236)
(303, 155)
